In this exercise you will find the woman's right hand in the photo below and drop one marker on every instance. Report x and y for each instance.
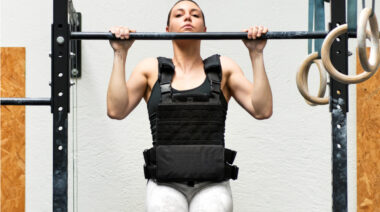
(122, 33)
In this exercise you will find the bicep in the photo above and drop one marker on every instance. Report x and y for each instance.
(137, 84)
(239, 86)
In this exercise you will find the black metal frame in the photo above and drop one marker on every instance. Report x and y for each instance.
(64, 36)
(338, 109)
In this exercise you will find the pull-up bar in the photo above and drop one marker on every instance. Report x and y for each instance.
(25, 101)
(202, 36)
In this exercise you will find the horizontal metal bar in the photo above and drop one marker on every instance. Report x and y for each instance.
(25, 101)
(202, 36)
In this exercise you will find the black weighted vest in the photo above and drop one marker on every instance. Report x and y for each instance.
(188, 138)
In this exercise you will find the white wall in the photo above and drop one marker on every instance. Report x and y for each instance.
(285, 162)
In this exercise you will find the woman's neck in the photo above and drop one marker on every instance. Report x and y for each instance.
(187, 55)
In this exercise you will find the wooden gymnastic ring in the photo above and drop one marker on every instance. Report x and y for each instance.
(326, 46)
(373, 62)
(302, 84)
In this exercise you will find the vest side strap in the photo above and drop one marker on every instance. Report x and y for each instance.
(231, 171)
(229, 156)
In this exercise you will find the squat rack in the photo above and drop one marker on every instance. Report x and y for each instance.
(66, 58)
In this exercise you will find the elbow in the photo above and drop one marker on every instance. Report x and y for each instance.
(114, 115)
(263, 115)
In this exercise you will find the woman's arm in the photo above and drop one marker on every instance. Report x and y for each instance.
(122, 96)
(256, 97)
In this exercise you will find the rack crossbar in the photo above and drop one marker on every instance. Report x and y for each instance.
(202, 36)
(25, 101)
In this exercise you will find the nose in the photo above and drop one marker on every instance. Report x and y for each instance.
(187, 17)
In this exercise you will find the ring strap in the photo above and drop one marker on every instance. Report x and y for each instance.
(352, 15)
(316, 23)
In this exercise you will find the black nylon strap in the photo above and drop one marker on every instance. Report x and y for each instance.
(165, 76)
(213, 70)
(231, 172)
(229, 156)
(150, 171)
(150, 156)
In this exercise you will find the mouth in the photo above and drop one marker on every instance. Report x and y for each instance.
(187, 26)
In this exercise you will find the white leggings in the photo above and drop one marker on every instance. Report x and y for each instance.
(179, 197)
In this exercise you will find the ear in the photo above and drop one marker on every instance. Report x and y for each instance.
(167, 29)
(205, 30)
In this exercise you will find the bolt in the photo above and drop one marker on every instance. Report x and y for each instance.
(60, 40)
(74, 72)
(72, 55)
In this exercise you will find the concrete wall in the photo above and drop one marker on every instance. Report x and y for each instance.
(285, 162)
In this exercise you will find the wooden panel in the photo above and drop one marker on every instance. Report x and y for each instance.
(12, 131)
(368, 143)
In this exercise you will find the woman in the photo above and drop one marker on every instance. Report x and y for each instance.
(189, 76)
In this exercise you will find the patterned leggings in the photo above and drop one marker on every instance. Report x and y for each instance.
(179, 197)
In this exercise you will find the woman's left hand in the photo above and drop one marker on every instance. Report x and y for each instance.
(251, 43)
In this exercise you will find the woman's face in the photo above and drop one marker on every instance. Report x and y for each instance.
(186, 17)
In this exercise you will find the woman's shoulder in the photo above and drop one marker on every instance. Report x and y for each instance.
(228, 64)
(147, 65)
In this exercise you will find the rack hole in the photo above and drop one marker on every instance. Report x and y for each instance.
(339, 146)
(60, 25)
(338, 126)
(338, 92)
(338, 52)
(60, 148)
(60, 128)
(337, 39)
(60, 94)
(60, 108)
(60, 75)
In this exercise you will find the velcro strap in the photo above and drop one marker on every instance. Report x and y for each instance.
(150, 171)
(165, 88)
(150, 156)
(213, 68)
(231, 172)
(215, 86)
(166, 70)
(229, 156)
(212, 64)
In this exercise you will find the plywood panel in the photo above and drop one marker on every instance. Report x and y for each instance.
(12, 131)
(368, 143)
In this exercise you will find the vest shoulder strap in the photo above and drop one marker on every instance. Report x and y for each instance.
(213, 70)
(165, 76)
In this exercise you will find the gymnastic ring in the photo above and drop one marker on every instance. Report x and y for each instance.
(326, 46)
(373, 62)
(302, 85)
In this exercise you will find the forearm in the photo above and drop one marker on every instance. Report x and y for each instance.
(117, 95)
(261, 97)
